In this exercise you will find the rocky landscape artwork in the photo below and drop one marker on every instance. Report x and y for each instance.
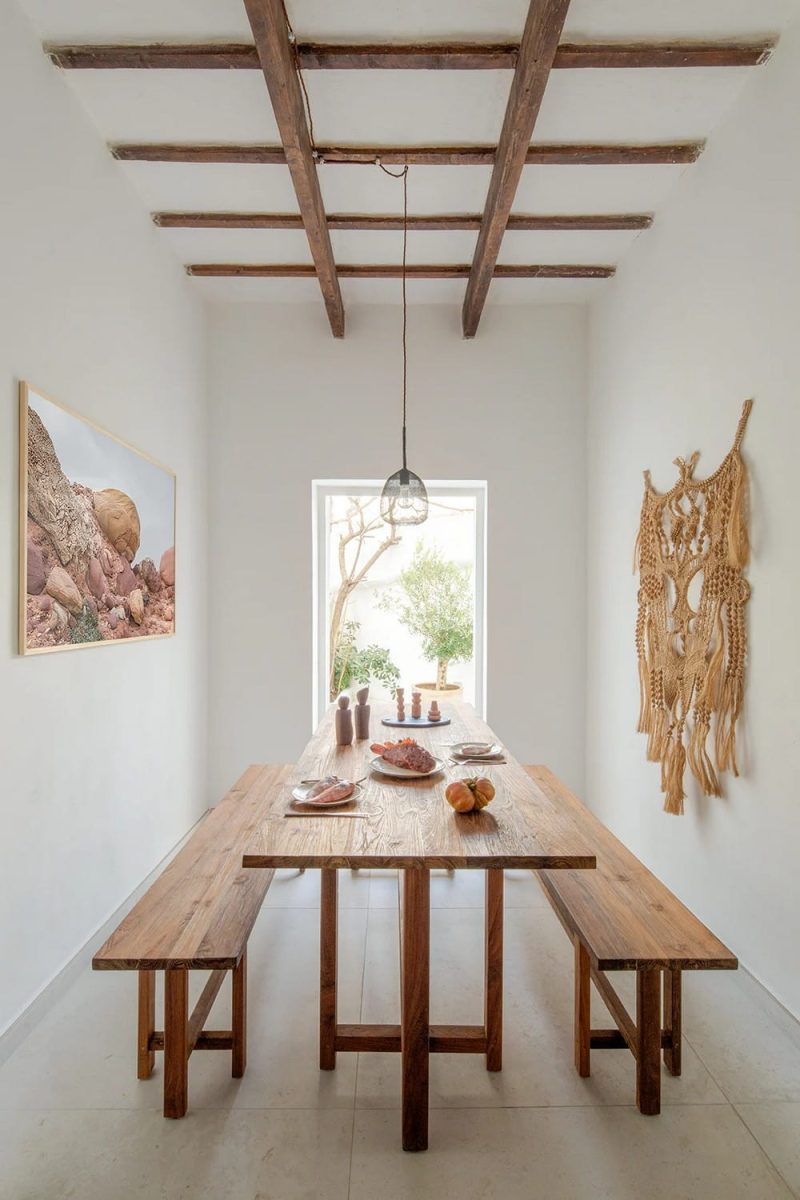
(97, 534)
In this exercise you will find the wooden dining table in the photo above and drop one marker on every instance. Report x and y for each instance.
(407, 824)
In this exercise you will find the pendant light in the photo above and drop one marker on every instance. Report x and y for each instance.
(404, 500)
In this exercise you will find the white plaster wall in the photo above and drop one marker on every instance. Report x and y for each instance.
(703, 313)
(102, 752)
(290, 404)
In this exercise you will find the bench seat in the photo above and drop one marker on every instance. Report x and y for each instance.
(621, 917)
(198, 915)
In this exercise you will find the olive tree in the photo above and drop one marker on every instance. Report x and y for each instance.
(434, 602)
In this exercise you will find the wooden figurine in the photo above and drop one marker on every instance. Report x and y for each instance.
(416, 705)
(433, 711)
(362, 714)
(400, 697)
(344, 722)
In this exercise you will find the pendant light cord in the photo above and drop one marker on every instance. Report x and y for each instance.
(404, 176)
(298, 67)
(395, 175)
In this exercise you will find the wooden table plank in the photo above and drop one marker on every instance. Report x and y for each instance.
(408, 823)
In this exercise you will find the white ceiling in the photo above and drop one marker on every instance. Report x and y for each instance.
(403, 107)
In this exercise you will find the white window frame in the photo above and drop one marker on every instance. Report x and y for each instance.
(437, 488)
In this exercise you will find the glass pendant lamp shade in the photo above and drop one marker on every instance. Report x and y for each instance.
(404, 500)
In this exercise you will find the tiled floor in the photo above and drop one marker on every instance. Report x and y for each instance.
(74, 1122)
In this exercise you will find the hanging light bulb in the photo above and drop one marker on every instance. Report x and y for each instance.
(404, 500)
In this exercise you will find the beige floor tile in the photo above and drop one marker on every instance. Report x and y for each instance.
(688, 1153)
(776, 1128)
(76, 1123)
(461, 889)
(83, 1053)
(538, 1067)
(751, 1055)
(290, 889)
(122, 1155)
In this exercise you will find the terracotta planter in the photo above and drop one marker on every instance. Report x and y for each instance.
(453, 691)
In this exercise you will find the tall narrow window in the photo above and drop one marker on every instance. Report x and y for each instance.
(399, 606)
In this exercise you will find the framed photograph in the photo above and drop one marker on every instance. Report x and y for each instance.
(96, 534)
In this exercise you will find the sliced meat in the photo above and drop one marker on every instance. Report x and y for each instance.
(412, 758)
(337, 791)
(322, 785)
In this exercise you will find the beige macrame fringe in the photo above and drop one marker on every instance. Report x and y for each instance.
(691, 663)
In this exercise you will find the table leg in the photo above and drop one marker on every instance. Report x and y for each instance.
(493, 1007)
(415, 988)
(327, 967)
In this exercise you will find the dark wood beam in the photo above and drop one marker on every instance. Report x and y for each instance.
(375, 221)
(418, 56)
(395, 271)
(541, 154)
(600, 55)
(271, 35)
(537, 51)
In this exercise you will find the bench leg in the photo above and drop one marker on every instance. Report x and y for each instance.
(145, 1057)
(493, 1003)
(239, 1017)
(648, 1032)
(176, 1042)
(672, 1020)
(327, 968)
(583, 999)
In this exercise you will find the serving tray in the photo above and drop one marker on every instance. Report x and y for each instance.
(414, 722)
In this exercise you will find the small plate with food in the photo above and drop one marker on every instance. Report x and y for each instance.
(329, 792)
(477, 751)
(404, 760)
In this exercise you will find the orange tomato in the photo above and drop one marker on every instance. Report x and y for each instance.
(482, 790)
(468, 795)
(460, 796)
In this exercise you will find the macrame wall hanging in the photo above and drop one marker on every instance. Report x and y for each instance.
(691, 659)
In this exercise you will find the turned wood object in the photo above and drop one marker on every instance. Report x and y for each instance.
(362, 711)
(344, 722)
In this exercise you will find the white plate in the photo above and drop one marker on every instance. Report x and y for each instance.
(300, 795)
(462, 750)
(387, 768)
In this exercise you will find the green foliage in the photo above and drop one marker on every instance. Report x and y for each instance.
(435, 604)
(86, 627)
(352, 665)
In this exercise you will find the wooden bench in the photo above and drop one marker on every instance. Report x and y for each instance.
(198, 915)
(619, 918)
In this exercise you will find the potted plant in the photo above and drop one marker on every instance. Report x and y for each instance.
(435, 603)
(352, 665)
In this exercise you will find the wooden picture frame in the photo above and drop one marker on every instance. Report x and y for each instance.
(108, 541)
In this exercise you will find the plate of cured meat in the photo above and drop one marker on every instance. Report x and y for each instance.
(404, 760)
(329, 792)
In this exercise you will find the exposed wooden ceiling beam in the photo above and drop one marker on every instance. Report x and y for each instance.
(598, 55)
(395, 271)
(271, 35)
(537, 50)
(540, 154)
(449, 221)
(419, 56)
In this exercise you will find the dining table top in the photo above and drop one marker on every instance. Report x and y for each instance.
(408, 822)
